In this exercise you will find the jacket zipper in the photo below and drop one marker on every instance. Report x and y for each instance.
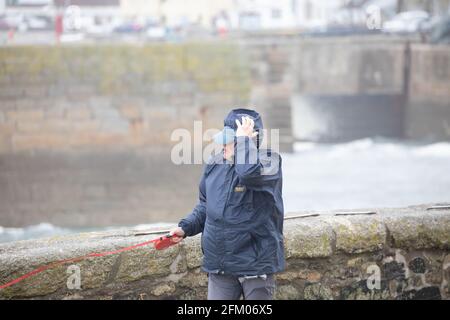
(222, 262)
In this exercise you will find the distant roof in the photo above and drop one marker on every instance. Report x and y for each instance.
(87, 3)
(28, 3)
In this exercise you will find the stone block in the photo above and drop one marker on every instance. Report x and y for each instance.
(359, 234)
(308, 239)
(194, 255)
(419, 231)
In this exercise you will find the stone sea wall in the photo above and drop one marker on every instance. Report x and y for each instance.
(85, 131)
(72, 97)
(397, 253)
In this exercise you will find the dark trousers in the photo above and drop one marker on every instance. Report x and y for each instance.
(227, 287)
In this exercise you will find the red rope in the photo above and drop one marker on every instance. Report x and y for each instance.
(91, 255)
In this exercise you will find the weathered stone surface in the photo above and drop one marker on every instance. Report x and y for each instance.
(21, 257)
(193, 280)
(427, 293)
(308, 239)
(417, 265)
(308, 275)
(318, 292)
(96, 273)
(99, 84)
(357, 234)
(355, 262)
(359, 291)
(164, 289)
(194, 294)
(419, 230)
(194, 254)
(45, 283)
(144, 262)
(287, 292)
(355, 268)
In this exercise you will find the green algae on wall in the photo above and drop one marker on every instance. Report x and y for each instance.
(116, 69)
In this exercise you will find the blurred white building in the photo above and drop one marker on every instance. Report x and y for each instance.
(236, 14)
(218, 14)
(177, 12)
(264, 14)
(311, 13)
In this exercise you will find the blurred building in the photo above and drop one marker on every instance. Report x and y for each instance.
(89, 7)
(103, 17)
(263, 14)
(24, 6)
(201, 12)
(317, 13)
(92, 7)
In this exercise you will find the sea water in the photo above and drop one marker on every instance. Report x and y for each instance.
(366, 173)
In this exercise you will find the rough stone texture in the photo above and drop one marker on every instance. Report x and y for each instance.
(318, 292)
(85, 131)
(194, 255)
(405, 249)
(309, 239)
(164, 289)
(115, 95)
(356, 234)
(413, 230)
(287, 292)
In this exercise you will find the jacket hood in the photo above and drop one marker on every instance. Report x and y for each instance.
(237, 114)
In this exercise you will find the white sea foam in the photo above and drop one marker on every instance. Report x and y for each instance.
(357, 174)
(48, 230)
(35, 231)
(440, 149)
(304, 146)
(373, 147)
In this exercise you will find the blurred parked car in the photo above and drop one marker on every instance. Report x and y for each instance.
(129, 27)
(334, 29)
(156, 32)
(24, 23)
(12, 21)
(4, 25)
(99, 29)
(38, 23)
(406, 22)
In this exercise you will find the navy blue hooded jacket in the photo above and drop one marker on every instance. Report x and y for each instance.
(240, 209)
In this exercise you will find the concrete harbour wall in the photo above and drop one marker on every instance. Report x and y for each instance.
(429, 93)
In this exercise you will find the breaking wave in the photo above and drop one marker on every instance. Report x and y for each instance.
(375, 146)
(31, 232)
(321, 176)
(44, 230)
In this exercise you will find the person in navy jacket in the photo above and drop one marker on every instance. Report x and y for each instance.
(239, 213)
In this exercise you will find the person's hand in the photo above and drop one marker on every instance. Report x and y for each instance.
(245, 129)
(178, 232)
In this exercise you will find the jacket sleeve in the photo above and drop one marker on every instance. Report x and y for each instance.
(258, 171)
(195, 221)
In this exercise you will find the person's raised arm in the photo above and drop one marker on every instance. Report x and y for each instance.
(256, 170)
